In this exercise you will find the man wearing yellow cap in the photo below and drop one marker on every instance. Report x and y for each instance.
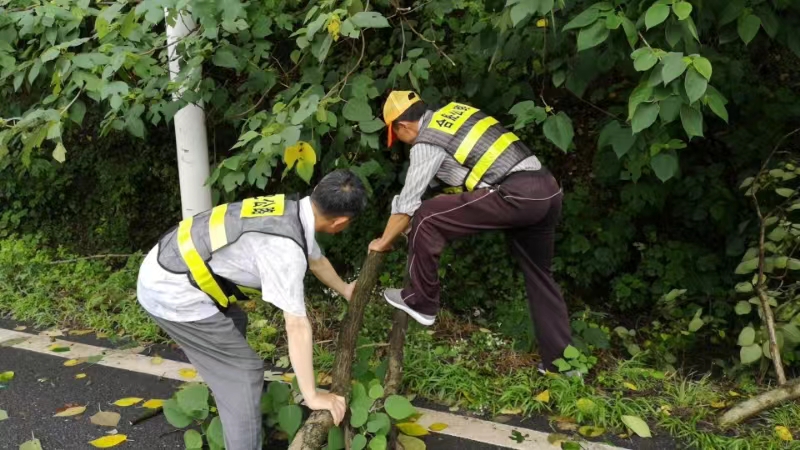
(503, 187)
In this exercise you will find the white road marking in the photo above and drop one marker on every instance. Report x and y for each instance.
(458, 426)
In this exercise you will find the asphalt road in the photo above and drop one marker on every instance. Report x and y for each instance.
(42, 385)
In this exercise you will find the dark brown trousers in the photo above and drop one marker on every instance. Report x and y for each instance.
(527, 207)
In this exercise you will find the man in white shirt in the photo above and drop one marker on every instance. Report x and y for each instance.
(189, 281)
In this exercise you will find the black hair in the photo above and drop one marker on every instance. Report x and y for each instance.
(340, 193)
(413, 113)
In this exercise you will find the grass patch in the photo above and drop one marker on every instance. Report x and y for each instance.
(455, 363)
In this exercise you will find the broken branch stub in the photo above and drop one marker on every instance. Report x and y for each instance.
(314, 433)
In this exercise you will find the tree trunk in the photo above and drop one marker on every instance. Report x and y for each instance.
(314, 433)
(394, 373)
(762, 402)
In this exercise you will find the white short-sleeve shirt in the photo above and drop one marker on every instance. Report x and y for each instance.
(275, 264)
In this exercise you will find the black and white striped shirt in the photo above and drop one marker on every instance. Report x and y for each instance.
(431, 161)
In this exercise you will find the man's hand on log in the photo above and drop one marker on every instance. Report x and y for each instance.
(348, 290)
(331, 402)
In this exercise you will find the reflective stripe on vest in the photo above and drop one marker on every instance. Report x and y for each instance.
(488, 158)
(216, 228)
(197, 267)
(472, 138)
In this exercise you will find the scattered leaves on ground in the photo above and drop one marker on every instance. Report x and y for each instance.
(411, 443)
(438, 427)
(734, 394)
(80, 376)
(630, 386)
(412, 429)
(553, 438)
(128, 401)
(188, 373)
(637, 425)
(153, 403)
(7, 376)
(71, 362)
(13, 342)
(58, 348)
(590, 431)
(544, 396)
(718, 404)
(109, 441)
(33, 444)
(20, 328)
(287, 377)
(72, 411)
(52, 333)
(3, 415)
(514, 411)
(157, 361)
(585, 405)
(105, 419)
(783, 433)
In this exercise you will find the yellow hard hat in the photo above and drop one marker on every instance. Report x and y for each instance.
(396, 104)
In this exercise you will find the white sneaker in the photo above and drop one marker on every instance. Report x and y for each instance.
(395, 298)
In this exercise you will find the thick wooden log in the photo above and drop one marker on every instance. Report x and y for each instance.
(394, 373)
(314, 433)
(762, 402)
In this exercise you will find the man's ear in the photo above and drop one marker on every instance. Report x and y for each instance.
(340, 223)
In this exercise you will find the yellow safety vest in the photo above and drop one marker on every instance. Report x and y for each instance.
(476, 141)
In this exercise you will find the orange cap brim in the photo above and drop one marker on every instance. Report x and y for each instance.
(390, 138)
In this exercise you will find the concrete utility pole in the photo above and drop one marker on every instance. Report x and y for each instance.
(190, 132)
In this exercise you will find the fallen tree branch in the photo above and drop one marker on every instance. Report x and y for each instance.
(751, 407)
(394, 373)
(314, 433)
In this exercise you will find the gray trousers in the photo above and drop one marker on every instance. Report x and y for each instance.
(218, 349)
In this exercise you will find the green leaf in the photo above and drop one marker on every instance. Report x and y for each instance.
(644, 116)
(747, 336)
(750, 354)
(399, 408)
(645, 60)
(674, 66)
(3, 415)
(744, 287)
(682, 9)
(60, 153)
(559, 77)
(135, 126)
(192, 440)
(571, 352)
(224, 57)
(378, 443)
(215, 433)
(746, 267)
(359, 442)
(692, 121)
(695, 85)
(33, 444)
(791, 332)
(703, 66)
(6, 376)
(716, 102)
(743, 307)
(620, 138)
(637, 425)
(357, 110)
(175, 415)
(784, 192)
(665, 165)
(558, 129)
(369, 20)
(695, 324)
(656, 14)
(335, 439)
(358, 416)
(193, 400)
(308, 106)
(411, 443)
(670, 108)
(50, 54)
(592, 36)
(379, 423)
(371, 126)
(77, 112)
(376, 391)
(521, 10)
(630, 31)
(793, 264)
(290, 417)
(748, 27)
(305, 170)
(613, 21)
(586, 17)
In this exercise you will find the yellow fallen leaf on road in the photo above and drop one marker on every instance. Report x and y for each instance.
(157, 361)
(69, 412)
(5, 377)
(438, 427)
(590, 431)
(734, 394)
(718, 405)
(109, 441)
(80, 376)
(630, 386)
(71, 362)
(544, 396)
(783, 433)
(101, 335)
(188, 373)
(511, 411)
(20, 328)
(287, 377)
(58, 348)
(128, 401)
(153, 404)
(412, 429)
